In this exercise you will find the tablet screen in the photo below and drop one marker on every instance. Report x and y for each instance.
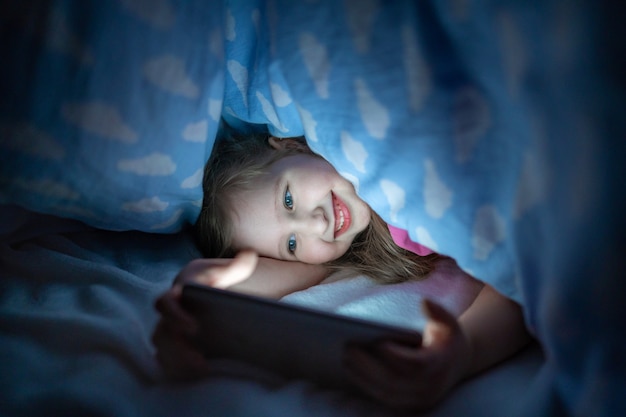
(294, 341)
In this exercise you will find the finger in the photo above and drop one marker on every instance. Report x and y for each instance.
(370, 375)
(174, 315)
(240, 269)
(438, 313)
(162, 304)
(177, 355)
(441, 323)
(402, 358)
(387, 387)
(198, 270)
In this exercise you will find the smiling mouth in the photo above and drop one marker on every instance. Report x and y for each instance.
(342, 216)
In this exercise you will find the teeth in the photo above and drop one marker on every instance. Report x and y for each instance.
(341, 220)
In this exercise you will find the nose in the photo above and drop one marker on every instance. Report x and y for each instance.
(314, 223)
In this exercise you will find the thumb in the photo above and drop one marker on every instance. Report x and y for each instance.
(441, 323)
(240, 269)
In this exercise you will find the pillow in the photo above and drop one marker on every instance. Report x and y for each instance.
(112, 110)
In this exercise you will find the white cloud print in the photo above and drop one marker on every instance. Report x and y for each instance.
(30, 140)
(158, 13)
(101, 119)
(196, 132)
(396, 197)
(316, 61)
(215, 109)
(424, 238)
(193, 181)
(437, 196)
(239, 74)
(354, 151)
(154, 165)
(146, 205)
(44, 187)
(374, 115)
(168, 72)
(168, 222)
(280, 96)
(489, 230)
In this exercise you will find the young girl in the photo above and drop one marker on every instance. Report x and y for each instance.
(278, 218)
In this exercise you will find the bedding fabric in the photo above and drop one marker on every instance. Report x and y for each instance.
(109, 109)
(76, 317)
(492, 132)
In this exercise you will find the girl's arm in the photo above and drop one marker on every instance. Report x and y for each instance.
(494, 328)
(275, 279)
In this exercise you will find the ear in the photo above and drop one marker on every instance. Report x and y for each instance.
(277, 143)
(282, 144)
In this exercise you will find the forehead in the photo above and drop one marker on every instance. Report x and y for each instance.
(296, 161)
(253, 216)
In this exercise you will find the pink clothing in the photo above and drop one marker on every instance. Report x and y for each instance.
(402, 239)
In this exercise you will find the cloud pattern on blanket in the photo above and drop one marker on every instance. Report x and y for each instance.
(116, 139)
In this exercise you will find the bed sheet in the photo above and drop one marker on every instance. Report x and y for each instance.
(76, 317)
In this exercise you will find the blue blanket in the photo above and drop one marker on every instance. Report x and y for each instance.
(109, 109)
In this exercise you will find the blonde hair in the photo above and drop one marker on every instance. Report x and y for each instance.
(235, 163)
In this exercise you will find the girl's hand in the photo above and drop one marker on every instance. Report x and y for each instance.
(176, 329)
(218, 273)
(413, 377)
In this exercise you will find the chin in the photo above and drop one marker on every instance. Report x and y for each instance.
(361, 224)
(342, 249)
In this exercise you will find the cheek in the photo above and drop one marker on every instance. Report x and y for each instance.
(365, 217)
(325, 252)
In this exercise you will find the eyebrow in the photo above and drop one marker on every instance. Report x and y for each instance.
(277, 206)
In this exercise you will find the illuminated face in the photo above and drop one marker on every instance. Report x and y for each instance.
(303, 210)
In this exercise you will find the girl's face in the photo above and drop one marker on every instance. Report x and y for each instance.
(303, 210)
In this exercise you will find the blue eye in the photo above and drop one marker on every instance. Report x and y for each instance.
(291, 244)
(288, 199)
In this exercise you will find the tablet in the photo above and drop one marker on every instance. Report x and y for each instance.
(294, 341)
